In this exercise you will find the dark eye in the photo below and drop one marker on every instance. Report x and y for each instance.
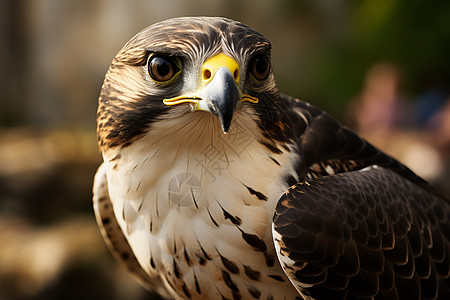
(162, 68)
(260, 67)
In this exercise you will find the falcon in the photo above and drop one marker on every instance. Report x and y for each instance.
(214, 185)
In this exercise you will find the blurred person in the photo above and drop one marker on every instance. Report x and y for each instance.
(381, 115)
(438, 129)
(379, 110)
(431, 101)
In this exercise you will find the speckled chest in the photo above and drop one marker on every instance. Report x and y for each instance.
(220, 257)
(199, 215)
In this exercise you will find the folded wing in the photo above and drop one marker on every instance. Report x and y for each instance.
(366, 234)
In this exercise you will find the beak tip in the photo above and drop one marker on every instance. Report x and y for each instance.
(226, 127)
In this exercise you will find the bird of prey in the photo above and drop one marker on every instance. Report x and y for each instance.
(215, 185)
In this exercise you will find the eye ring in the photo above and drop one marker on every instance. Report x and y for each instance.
(162, 68)
(260, 67)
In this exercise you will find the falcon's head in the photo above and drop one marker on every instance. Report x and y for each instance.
(186, 69)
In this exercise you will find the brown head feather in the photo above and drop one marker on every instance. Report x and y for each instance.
(130, 101)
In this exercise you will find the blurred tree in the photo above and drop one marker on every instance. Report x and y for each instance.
(13, 59)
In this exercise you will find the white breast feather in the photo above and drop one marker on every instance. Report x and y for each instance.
(222, 165)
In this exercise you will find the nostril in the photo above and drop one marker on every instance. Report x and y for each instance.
(236, 74)
(206, 74)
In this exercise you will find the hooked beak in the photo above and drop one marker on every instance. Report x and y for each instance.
(223, 95)
(220, 93)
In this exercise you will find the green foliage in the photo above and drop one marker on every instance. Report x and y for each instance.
(414, 35)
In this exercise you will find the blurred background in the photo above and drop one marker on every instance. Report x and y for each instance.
(381, 67)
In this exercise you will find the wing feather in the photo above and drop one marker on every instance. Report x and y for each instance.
(327, 147)
(366, 233)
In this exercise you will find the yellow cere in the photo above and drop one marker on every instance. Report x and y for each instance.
(216, 62)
